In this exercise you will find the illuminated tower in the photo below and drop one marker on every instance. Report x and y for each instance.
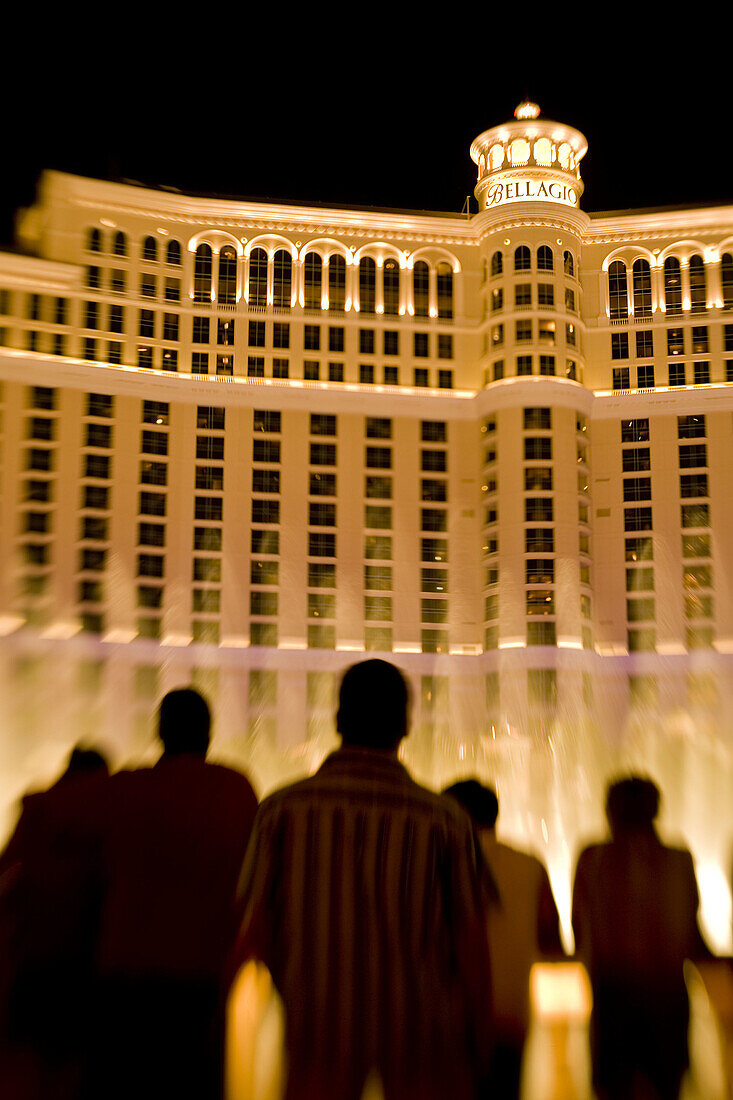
(534, 422)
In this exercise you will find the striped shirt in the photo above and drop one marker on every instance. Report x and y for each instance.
(365, 896)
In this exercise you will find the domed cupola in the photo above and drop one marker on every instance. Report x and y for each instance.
(529, 160)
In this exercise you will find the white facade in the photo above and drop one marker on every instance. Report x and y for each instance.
(244, 443)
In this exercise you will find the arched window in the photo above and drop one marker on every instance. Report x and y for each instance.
(312, 276)
(258, 277)
(543, 151)
(519, 151)
(94, 240)
(283, 279)
(698, 289)
(391, 287)
(642, 279)
(367, 284)
(336, 282)
(564, 155)
(421, 289)
(173, 253)
(445, 290)
(522, 258)
(202, 264)
(545, 258)
(497, 263)
(618, 291)
(120, 244)
(568, 263)
(726, 279)
(496, 157)
(150, 249)
(227, 290)
(672, 285)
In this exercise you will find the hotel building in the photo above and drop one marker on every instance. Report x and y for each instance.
(245, 443)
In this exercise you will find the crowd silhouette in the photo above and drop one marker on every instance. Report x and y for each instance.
(398, 930)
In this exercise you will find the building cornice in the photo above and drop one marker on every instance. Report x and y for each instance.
(631, 226)
(106, 199)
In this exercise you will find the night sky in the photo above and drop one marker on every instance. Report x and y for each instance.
(381, 123)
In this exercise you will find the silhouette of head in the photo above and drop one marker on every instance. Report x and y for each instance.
(373, 706)
(85, 762)
(632, 803)
(480, 802)
(184, 723)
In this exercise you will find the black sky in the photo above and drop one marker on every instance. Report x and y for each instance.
(379, 122)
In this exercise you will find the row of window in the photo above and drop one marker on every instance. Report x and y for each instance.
(676, 339)
(523, 297)
(522, 260)
(541, 331)
(678, 294)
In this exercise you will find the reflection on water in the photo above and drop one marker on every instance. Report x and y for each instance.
(550, 765)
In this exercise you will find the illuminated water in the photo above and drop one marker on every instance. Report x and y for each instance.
(550, 766)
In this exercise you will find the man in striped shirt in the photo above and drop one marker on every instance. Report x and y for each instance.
(363, 894)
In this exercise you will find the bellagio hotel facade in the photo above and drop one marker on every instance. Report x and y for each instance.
(246, 443)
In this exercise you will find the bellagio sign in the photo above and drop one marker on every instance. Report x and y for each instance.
(524, 189)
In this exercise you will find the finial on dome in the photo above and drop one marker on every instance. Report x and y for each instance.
(526, 109)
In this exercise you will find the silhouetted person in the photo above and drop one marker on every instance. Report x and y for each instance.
(49, 907)
(175, 839)
(635, 908)
(522, 928)
(363, 896)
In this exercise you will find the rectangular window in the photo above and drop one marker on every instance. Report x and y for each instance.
(323, 454)
(635, 458)
(675, 341)
(539, 540)
(619, 345)
(255, 366)
(539, 419)
(154, 443)
(366, 373)
(524, 364)
(321, 514)
(695, 515)
(322, 424)
(321, 545)
(280, 334)
(378, 427)
(701, 374)
(645, 376)
(199, 362)
(540, 571)
(153, 473)
(207, 538)
(151, 534)
(434, 490)
(640, 580)
(635, 431)
(152, 504)
(264, 572)
(637, 519)
(378, 577)
(644, 343)
(200, 330)
(377, 516)
(97, 466)
(312, 337)
(537, 449)
(639, 549)
(696, 546)
(637, 488)
(263, 603)
(378, 607)
(677, 374)
(538, 510)
(420, 345)
(255, 334)
(265, 450)
(263, 481)
(321, 575)
(621, 379)
(263, 511)
(693, 454)
(379, 458)
(378, 547)
(264, 542)
(322, 485)
(210, 508)
(693, 485)
(433, 519)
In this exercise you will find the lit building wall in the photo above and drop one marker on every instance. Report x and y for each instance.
(246, 443)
